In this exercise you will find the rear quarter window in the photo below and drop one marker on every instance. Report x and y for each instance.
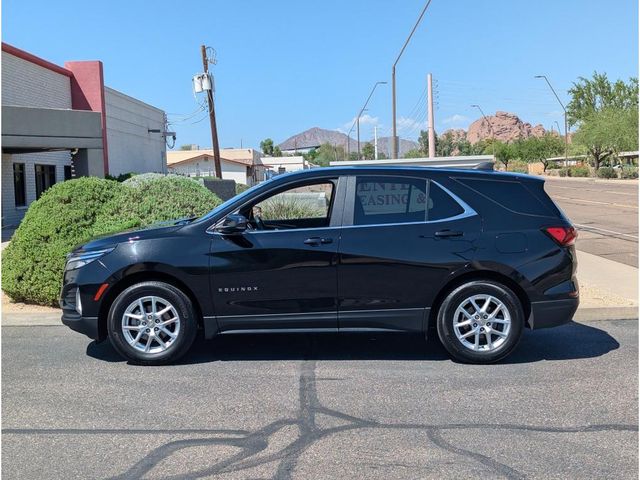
(512, 195)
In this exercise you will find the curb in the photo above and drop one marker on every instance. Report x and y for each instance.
(605, 313)
(582, 315)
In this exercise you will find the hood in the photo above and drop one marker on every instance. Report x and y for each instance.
(155, 230)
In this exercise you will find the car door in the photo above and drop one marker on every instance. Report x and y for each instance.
(402, 238)
(281, 274)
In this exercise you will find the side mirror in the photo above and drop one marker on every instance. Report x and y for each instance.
(232, 223)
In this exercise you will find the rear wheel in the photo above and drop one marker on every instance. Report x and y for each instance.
(152, 323)
(480, 322)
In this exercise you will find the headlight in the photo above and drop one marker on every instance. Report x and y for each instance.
(77, 260)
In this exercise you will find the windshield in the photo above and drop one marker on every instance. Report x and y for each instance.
(224, 205)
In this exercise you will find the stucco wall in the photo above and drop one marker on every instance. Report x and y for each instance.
(131, 147)
(204, 167)
(26, 84)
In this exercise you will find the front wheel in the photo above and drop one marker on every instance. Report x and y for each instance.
(480, 322)
(152, 323)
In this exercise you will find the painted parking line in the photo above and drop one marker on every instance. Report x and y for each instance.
(596, 190)
(612, 232)
(595, 202)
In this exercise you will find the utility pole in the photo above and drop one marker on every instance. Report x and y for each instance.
(375, 141)
(212, 116)
(394, 135)
(432, 133)
(566, 125)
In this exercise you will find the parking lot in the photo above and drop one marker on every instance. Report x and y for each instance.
(564, 405)
(605, 214)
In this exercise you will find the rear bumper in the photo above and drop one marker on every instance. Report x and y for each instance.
(552, 313)
(85, 325)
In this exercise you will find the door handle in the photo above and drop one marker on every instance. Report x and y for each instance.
(315, 241)
(448, 233)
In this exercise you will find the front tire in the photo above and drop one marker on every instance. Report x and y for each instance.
(152, 323)
(480, 322)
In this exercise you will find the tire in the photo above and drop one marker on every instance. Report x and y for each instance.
(488, 336)
(164, 336)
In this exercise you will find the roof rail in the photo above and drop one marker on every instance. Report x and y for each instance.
(484, 166)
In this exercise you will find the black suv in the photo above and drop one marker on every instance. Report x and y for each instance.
(475, 255)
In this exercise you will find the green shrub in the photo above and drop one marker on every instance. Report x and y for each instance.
(629, 172)
(564, 172)
(606, 172)
(71, 213)
(554, 166)
(282, 207)
(579, 172)
(241, 187)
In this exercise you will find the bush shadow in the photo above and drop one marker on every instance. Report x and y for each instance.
(568, 342)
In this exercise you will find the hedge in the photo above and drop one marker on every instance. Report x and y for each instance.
(71, 213)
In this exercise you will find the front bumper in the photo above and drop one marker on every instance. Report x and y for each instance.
(85, 325)
(552, 313)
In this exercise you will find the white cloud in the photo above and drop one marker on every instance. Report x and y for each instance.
(410, 126)
(365, 120)
(455, 119)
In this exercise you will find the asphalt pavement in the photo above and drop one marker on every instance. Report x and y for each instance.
(564, 405)
(605, 213)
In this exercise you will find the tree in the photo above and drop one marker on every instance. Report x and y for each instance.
(187, 147)
(423, 142)
(267, 146)
(589, 96)
(504, 152)
(276, 151)
(368, 151)
(324, 154)
(607, 132)
(539, 149)
(414, 153)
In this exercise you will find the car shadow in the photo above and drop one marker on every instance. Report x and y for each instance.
(570, 341)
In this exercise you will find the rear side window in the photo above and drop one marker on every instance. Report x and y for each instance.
(441, 205)
(383, 200)
(513, 196)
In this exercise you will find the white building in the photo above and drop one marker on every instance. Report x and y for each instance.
(284, 164)
(60, 122)
(242, 165)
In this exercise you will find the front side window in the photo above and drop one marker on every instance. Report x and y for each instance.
(19, 188)
(384, 200)
(307, 206)
(45, 177)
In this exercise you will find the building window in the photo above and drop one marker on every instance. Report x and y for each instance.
(67, 172)
(45, 177)
(19, 188)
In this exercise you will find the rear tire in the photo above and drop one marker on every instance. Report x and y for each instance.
(480, 322)
(152, 323)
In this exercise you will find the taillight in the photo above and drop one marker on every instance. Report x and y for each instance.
(564, 236)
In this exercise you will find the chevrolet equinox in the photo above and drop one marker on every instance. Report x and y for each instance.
(475, 255)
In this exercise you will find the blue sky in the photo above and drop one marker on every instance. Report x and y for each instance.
(285, 66)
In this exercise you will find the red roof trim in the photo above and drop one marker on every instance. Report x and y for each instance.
(33, 59)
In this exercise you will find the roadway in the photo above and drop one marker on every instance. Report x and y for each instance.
(564, 405)
(605, 214)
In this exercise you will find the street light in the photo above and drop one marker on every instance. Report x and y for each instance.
(490, 129)
(363, 109)
(394, 137)
(566, 127)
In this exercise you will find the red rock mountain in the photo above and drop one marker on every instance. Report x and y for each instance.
(504, 126)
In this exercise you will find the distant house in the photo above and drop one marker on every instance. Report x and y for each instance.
(240, 164)
(279, 165)
(61, 122)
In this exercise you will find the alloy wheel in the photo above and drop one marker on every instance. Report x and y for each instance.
(150, 324)
(482, 323)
